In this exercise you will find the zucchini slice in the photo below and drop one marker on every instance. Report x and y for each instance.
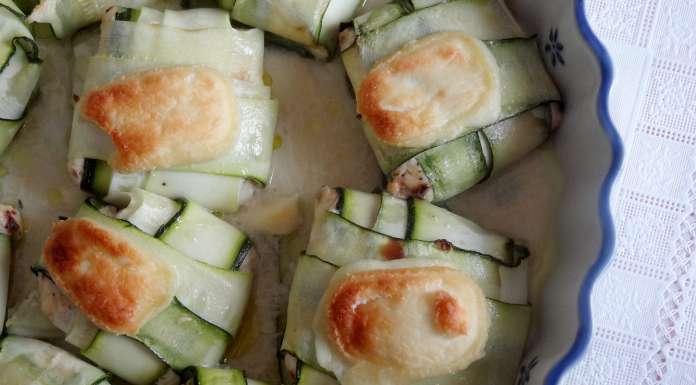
(311, 26)
(20, 67)
(216, 192)
(416, 219)
(181, 339)
(340, 242)
(216, 376)
(189, 228)
(311, 279)
(126, 358)
(136, 40)
(506, 337)
(25, 361)
(451, 168)
(67, 16)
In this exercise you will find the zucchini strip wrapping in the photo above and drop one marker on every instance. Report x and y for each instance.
(137, 40)
(455, 163)
(212, 298)
(418, 220)
(307, 26)
(20, 67)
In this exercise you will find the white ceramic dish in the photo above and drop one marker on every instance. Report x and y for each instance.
(323, 144)
(589, 153)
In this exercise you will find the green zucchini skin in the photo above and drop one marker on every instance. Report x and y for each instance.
(454, 167)
(96, 177)
(506, 339)
(26, 361)
(416, 219)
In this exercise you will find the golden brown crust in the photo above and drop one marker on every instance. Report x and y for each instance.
(448, 314)
(430, 90)
(117, 286)
(356, 311)
(396, 322)
(165, 117)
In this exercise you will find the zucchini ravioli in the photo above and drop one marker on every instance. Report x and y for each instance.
(170, 100)
(387, 293)
(433, 81)
(309, 26)
(145, 286)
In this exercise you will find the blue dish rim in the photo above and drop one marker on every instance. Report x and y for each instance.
(584, 332)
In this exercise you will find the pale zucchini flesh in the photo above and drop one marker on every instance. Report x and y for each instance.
(187, 227)
(126, 358)
(27, 320)
(28, 361)
(309, 282)
(199, 234)
(182, 339)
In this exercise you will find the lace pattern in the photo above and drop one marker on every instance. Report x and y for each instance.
(644, 306)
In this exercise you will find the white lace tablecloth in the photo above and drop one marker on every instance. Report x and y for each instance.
(644, 305)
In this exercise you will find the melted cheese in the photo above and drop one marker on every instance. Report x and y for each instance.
(398, 322)
(165, 117)
(117, 286)
(431, 90)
